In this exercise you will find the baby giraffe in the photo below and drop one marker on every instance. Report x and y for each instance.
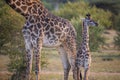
(83, 58)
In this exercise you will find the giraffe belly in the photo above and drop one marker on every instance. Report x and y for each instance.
(50, 42)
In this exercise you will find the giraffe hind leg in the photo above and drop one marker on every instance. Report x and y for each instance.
(65, 62)
(71, 48)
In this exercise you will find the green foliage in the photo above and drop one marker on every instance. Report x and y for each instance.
(8, 26)
(113, 6)
(77, 10)
(61, 1)
(117, 24)
(48, 5)
(117, 40)
(10, 34)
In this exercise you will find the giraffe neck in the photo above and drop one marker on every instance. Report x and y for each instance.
(85, 36)
(27, 7)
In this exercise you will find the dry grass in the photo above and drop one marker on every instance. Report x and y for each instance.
(105, 66)
(105, 77)
(4, 60)
(4, 74)
(106, 62)
(93, 77)
(54, 61)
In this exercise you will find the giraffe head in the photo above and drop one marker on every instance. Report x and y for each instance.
(88, 21)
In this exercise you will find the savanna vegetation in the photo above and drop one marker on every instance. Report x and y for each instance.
(106, 13)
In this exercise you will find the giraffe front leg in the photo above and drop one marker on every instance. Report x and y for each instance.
(65, 62)
(28, 57)
(37, 56)
(71, 49)
(73, 66)
(87, 68)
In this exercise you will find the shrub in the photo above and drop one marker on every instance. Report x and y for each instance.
(117, 24)
(75, 11)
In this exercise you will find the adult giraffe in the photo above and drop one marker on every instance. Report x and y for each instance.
(42, 28)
